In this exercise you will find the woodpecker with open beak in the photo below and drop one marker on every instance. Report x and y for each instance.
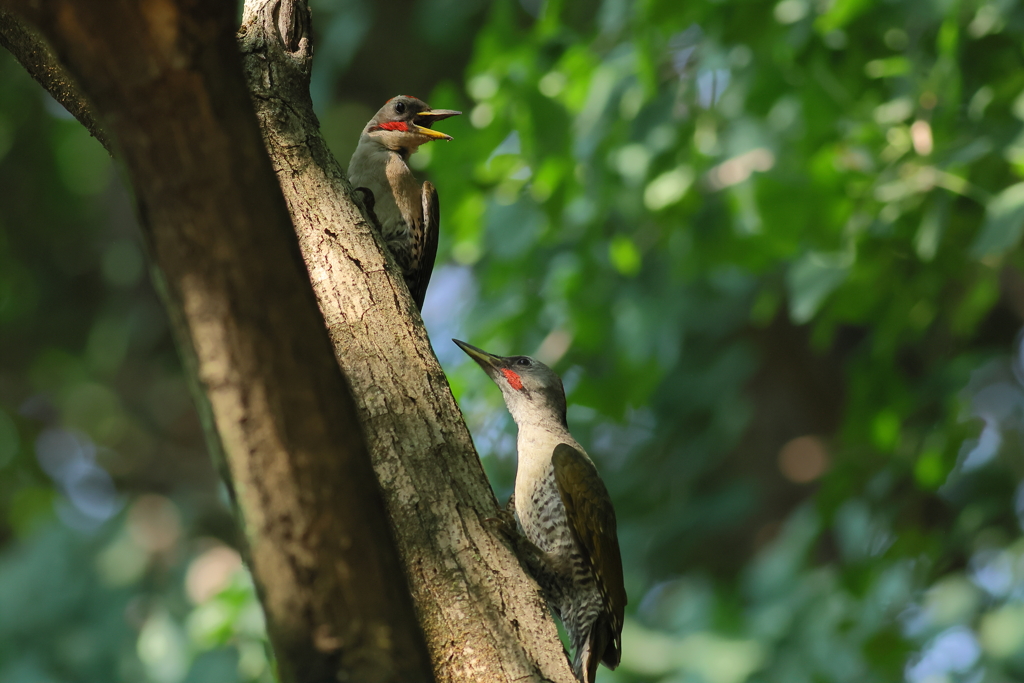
(406, 211)
(564, 511)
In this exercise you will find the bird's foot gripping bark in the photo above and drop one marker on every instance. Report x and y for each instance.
(504, 523)
(537, 562)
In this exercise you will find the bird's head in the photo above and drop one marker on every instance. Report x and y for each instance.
(404, 123)
(532, 390)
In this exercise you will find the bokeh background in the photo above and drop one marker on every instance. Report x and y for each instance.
(772, 247)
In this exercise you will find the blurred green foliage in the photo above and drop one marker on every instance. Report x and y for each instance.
(772, 247)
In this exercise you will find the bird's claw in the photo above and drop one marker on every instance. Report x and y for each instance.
(530, 556)
(503, 522)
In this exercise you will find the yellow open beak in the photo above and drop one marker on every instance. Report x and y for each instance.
(432, 134)
(432, 115)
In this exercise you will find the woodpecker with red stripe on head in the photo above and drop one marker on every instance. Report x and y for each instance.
(406, 211)
(563, 511)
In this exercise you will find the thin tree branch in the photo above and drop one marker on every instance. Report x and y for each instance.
(35, 55)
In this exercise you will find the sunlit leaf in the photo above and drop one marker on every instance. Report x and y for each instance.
(1004, 223)
(811, 279)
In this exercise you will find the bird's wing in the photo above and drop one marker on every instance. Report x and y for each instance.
(592, 520)
(427, 247)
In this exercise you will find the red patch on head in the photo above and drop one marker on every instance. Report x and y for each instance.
(394, 125)
(513, 379)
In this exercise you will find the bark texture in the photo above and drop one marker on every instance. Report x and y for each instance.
(483, 618)
(165, 80)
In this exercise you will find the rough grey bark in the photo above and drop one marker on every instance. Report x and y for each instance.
(165, 80)
(483, 618)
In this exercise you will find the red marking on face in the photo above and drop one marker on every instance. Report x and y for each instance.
(513, 379)
(394, 125)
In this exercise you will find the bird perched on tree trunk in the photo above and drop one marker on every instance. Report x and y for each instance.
(407, 212)
(564, 511)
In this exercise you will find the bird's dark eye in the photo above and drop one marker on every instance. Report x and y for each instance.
(399, 107)
(522, 361)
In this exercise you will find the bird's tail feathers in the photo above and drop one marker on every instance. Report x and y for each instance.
(594, 649)
(584, 663)
(610, 650)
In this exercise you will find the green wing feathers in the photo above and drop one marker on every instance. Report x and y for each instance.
(592, 520)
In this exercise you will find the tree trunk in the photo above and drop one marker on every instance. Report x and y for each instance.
(164, 78)
(482, 617)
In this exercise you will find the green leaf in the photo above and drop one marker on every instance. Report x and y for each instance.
(885, 430)
(1004, 223)
(885, 68)
(813, 278)
(841, 13)
(624, 255)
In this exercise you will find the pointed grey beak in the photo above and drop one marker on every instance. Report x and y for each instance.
(488, 361)
(432, 115)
